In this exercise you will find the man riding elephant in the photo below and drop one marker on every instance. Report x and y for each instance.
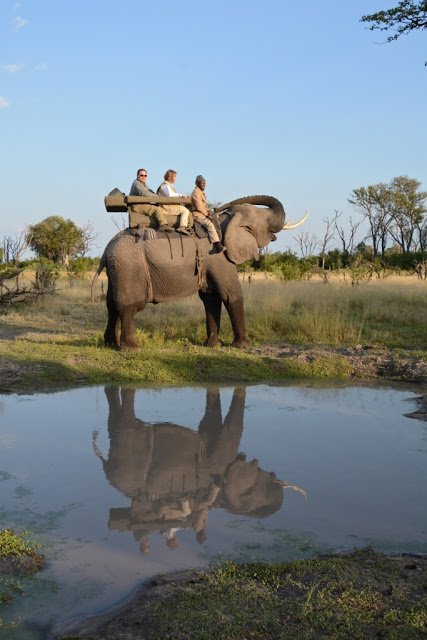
(146, 215)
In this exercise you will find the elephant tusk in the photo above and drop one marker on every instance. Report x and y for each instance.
(286, 485)
(95, 446)
(288, 225)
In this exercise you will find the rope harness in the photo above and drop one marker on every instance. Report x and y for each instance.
(144, 260)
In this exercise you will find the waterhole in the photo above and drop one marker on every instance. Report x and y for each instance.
(117, 484)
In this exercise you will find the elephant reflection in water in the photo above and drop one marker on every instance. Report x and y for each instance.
(174, 475)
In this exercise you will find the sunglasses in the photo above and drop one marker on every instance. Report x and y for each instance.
(143, 175)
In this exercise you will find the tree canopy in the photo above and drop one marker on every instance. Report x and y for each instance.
(56, 239)
(407, 16)
(394, 210)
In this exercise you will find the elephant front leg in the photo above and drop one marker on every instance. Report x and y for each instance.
(212, 303)
(237, 316)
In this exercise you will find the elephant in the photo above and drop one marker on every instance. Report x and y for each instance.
(174, 476)
(144, 266)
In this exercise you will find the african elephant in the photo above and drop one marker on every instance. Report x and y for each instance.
(175, 476)
(158, 267)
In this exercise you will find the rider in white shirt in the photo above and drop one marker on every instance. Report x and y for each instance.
(167, 189)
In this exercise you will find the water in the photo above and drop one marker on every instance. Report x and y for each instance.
(119, 485)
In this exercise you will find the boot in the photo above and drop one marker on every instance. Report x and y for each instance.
(166, 227)
(219, 247)
(183, 230)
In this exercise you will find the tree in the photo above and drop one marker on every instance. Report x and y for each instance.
(14, 248)
(57, 239)
(13, 292)
(407, 16)
(307, 243)
(372, 204)
(407, 207)
(88, 238)
(348, 244)
(395, 209)
(328, 235)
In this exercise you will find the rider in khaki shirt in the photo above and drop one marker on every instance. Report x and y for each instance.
(202, 214)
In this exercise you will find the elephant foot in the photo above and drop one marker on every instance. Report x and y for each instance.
(213, 342)
(130, 347)
(241, 344)
(111, 345)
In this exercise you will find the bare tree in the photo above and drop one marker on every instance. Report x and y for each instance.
(14, 248)
(328, 235)
(348, 245)
(307, 243)
(88, 239)
(12, 291)
(120, 224)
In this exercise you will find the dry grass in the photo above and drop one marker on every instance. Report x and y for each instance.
(390, 313)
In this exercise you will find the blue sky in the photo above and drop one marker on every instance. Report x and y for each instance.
(295, 100)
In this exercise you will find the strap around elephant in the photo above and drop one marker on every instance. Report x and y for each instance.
(147, 273)
(201, 272)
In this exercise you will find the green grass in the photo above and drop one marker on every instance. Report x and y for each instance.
(59, 340)
(18, 557)
(355, 597)
(359, 596)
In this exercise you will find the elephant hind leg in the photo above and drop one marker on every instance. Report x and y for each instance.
(127, 337)
(111, 334)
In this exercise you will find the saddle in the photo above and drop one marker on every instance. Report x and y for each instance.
(150, 233)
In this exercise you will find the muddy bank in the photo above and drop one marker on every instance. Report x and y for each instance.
(360, 595)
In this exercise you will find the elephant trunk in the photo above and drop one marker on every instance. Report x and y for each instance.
(277, 215)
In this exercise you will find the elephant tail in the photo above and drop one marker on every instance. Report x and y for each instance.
(102, 264)
(268, 201)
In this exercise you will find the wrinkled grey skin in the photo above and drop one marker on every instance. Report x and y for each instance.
(245, 228)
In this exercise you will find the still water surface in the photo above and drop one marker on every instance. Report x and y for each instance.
(121, 484)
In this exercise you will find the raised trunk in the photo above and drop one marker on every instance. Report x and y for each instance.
(277, 215)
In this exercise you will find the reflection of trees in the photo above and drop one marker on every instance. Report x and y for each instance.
(174, 475)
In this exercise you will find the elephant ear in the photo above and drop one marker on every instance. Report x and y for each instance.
(245, 234)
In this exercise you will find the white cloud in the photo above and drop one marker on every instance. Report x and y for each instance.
(41, 66)
(20, 22)
(3, 103)
(12, 68)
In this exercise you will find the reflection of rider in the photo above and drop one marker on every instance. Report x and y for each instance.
(174, 475)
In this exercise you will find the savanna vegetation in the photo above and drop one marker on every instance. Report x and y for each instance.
(327, 299)
(59, 339)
